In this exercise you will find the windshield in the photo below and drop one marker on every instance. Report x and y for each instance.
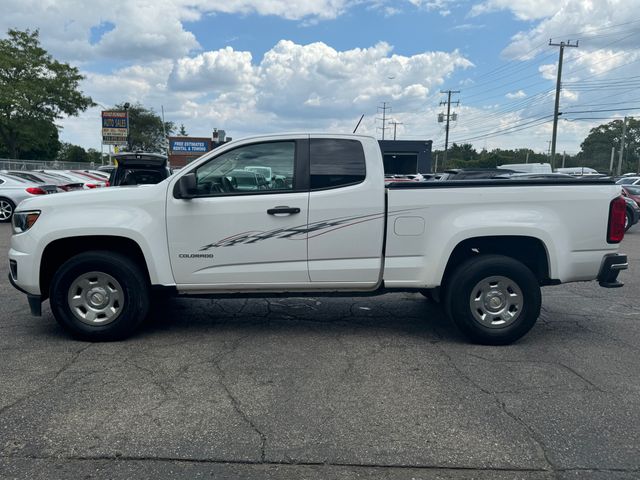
(627, 181)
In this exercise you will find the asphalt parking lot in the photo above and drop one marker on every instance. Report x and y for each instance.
(325, 389)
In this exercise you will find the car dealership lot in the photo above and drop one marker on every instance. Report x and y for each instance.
(326, 388)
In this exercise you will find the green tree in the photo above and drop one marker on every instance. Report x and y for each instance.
(183, 132)
(40, 141)
(146, 130)
(35, 90)
(464, 152)
(596, 148)
(72, 153)
(93, 155)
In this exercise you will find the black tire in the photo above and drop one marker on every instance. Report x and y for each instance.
(5, 203)
(473, 272)
(132, 304)
(628, 220)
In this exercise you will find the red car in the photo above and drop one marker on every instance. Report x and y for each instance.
(632, 191)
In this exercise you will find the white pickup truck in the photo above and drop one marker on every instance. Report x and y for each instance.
(324, 224)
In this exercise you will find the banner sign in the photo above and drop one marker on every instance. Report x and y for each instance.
(115, 127)
(187, 146)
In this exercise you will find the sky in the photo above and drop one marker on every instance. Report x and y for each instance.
(265, 66)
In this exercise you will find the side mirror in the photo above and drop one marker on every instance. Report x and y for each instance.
(187, 187)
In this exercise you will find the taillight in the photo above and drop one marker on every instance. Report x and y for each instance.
(36, 191)
(617, 218)
(91, 185)
(107, 184)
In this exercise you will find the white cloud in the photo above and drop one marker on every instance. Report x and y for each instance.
(142, 29)
(549, 71)
(440, 6)
(522, 9)
(293, 87)
(516, 95)
(212, 71)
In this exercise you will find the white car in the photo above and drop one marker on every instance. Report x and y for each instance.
(483, 247)
(629, 181)
(13, 190)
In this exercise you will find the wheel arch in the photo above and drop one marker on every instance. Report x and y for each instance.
(530, 251)
(60, 250)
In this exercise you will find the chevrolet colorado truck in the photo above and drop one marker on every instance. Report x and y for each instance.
(324, 224)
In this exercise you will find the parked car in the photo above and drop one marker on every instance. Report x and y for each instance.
(107, 169)
(628, 181)
(527, 167)
(474, 173)
(65, 185)
(633, 213)
(139, 168)
(87, 183)
(98, 180)
(578, 171)
(632, 191)
(14, 190)
(245, 180)
(483, 248)
(543, 176)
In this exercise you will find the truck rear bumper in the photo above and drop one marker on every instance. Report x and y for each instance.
(611, 266)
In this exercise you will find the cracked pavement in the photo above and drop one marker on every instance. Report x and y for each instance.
(326, 388)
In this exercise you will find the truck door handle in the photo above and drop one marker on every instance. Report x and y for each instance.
(283, 210)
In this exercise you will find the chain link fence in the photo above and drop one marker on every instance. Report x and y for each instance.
(9, 164)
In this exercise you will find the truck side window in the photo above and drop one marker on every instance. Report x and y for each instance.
(336, 163)
(255, 168)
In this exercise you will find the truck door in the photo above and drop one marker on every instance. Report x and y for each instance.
(243, 231)
(346, 213)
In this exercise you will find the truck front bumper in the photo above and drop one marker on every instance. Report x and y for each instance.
(35, 301)
(611, 266)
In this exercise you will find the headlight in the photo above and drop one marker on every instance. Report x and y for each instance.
(23, 221)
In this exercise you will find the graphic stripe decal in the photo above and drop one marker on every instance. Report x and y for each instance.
(300, 232)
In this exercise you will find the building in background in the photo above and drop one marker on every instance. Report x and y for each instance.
(183, 150)
(406, 157)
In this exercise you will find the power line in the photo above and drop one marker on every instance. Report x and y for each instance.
(513, 129)
(603, 110)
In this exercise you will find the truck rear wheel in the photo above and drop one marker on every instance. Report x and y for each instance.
(493, 299)
(99, 296)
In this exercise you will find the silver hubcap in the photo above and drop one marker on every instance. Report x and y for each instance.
(496, 302)
(5, 210)
(95, 298)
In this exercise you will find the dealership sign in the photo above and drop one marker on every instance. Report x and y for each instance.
(188, 146)
(115, 127)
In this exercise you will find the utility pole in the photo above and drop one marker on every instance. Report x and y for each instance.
(527, 160)
(449, 118)
(564, 154)
(384, 109)
(556, 113)
(613, 155)
(549, 148)
(624, 135)
(395, 124)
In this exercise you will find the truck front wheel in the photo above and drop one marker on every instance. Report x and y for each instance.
(493, 299)
(99, 296)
